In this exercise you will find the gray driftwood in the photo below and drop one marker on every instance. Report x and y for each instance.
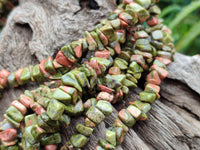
(38, 28)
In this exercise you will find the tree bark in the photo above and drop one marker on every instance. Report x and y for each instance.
(37, 29)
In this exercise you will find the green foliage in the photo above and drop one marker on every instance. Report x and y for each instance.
(182, 16)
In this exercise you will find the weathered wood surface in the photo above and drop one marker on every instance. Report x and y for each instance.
(39, 28)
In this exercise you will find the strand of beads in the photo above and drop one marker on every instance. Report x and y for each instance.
(112, 33)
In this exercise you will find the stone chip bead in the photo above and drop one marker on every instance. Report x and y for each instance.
(19, 106)
(134, 111)
(84, 130)
(148, 97)
(62, 96)
(79, 140)
(126, 117)
(51, 139)
(111, 137)
(106, 145)
(55, 109)
(14, 114)
(105, 96)
(105, 107)
(95, 115)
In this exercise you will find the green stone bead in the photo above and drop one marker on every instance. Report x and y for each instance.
(74, 110)
(119, 123)
(37, 74)
(135, 67)
(65, 120)
(120, 78)
(12, 80)
(111, 50)
(144, 3)
(125, 55)
(154, 10)
(62, 96)
(82, 79)
(109, 32)
(112, 83)
(48, 120)
(144, 107)
(143, 116)
(111, 137)
(112, 16)
(157, 35)
(43, 101)
(70, 79)
(129, 83)
(95, 115)
(125, 89)
(144, 48)
(165, 54)
(98, 41)
(105, 107)
(71, 91)
(102, 61)
(87, 131)
(51, 139)
(84, 45)
(29, 146)
(30, 120)
(122, 64)
(13, 122)
(157, 44)
(166, 48)
(25, 76)
(79, 140)
(142, 41)
(85, 70)
(37, 132)
(28, 135)
(69, 53)
(148, 97)
(126, 117)
(119, 134)
(131, 78)
(91, 42)
(48, 65)
(9, 148)
(158, 63)
(103, 38)
(55, 109)
(134, 111)
(115, 23)
(45, 126)
(89, 123)
(141, 12)
(14, 114)
(141, 35)
(106, 145)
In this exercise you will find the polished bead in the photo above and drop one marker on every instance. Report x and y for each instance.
(102, 61)
(74, 110)
(89, 123)
(111, 137)
(55, 109)
(8, 135)
(144, 107)
(91, 42)
(164, 60)
(105, 96)
(37, 108)
(120, 134)
(70, 79)
(25, 76)
(106, 145)
(129, 19)
(162, 72)
(37, 74)
(95, 115)
(53, 123)
(12, 121)
(14, 114)
(131, 78)
(129, 83)
(140, 60)
(114, 71)
(77, 48)
(98, 41)
(49, 65)
(51, 139)
(153, 21)
(84, 130)
(12, 80)
(71, 91)
(102, 37)
(135, 67)
(94, 64)
(144, 3)
(154, 10)
(30, 120)
(104, 88)
(19, 106)
(122, 64)
(134, 111)
(148, 97)
(65, 120)
(62, 59)
(153, 78)
(109, 32)
(126, 117)
(166, 55)
(79, 140)
(157, 35)
(105, 107)
(119, 123)
(102, 54)
(141, 35)
(160, 64)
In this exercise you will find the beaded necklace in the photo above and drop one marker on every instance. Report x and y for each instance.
(132, 41)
